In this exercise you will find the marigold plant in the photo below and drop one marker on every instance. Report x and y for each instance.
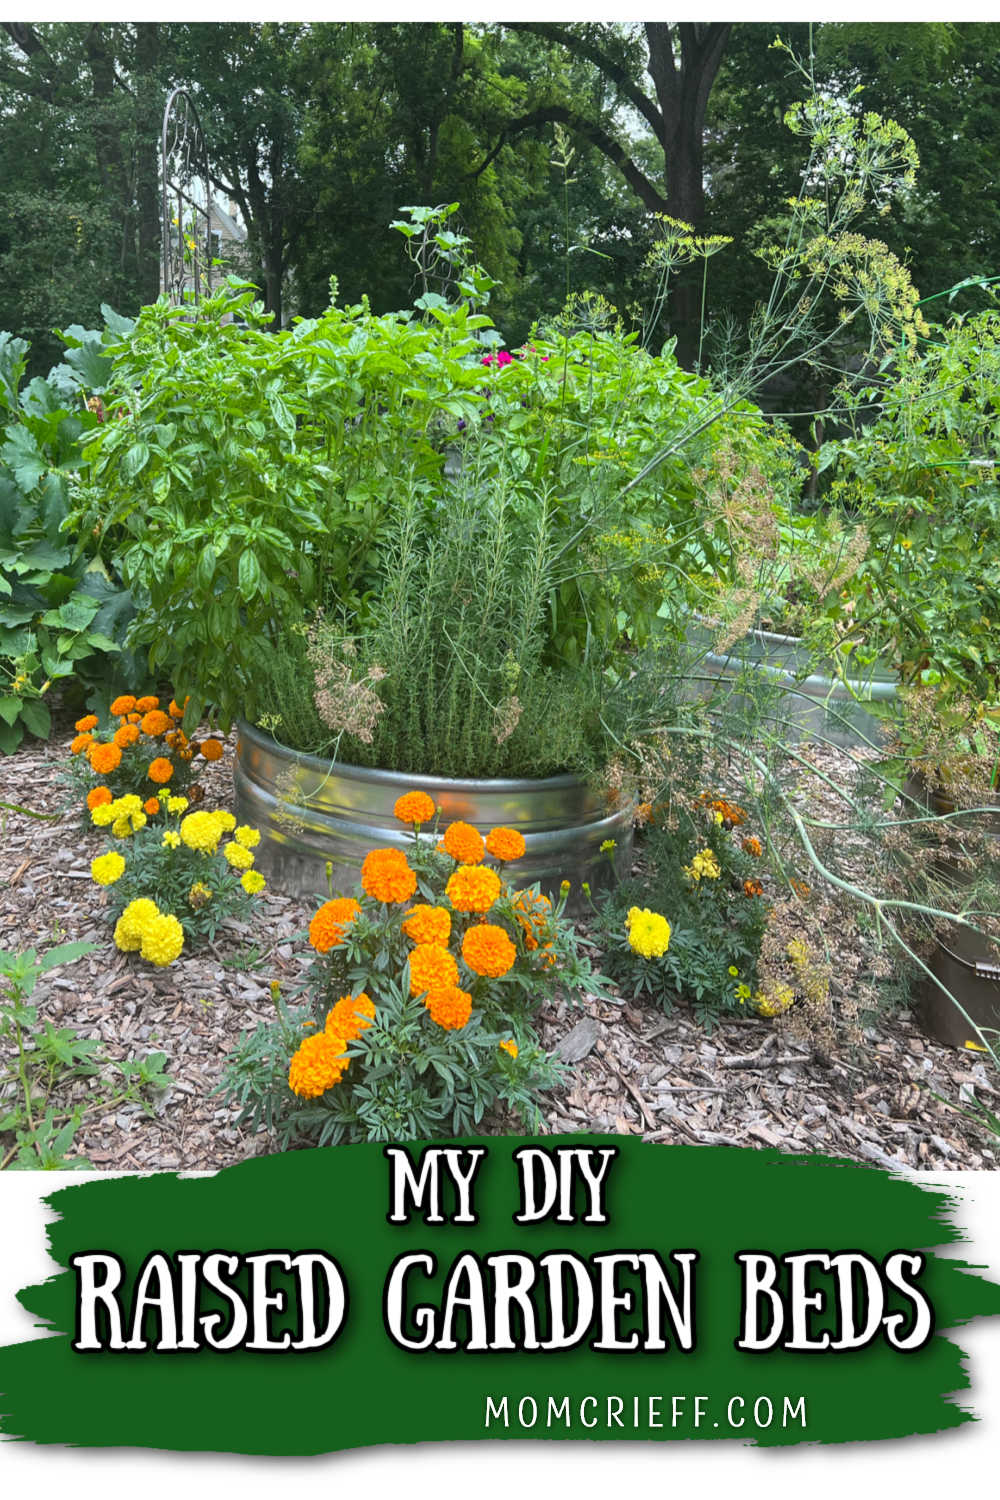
(434, 1006)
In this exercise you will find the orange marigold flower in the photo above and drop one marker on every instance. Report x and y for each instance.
(752, 888)
(160, 770)
(156, 722)
(432, 967)
(449, 1007)
(351, 1015)
(104, 758)
(127, 734)
(317, 1065)
(212, 749)
(753, 846)
(176, 739)
(463, 843)
(505, 843)
(123, 705)
(80, 743)
(174, 711)
(427, 924)
(532, 911)
(98, 796)
(414, 808)
(326, 930)
(799, 886)
(488, 951)
(386, 875)
(151, 806)
(89, 721)
(133, 718)
(146, 705)
(473, 888)
(510, 1047)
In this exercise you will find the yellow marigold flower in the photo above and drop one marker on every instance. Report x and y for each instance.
(122, 828)
(464, 843)
(252, 882)
(704, 864)
(326, 930)
(199, 895)
(648, 932)
(386, 875)
(107, 868)
(225, 819)
(146, 705)
(317, 1065)
(432, 967)
(488, 951)
(449, 1007)
(509, 1047)
(123, 705)
(414, 808)
(473, 888)
(351, 1015)
(775, 1001)
(199, 830)
(133, 922)
(126, 735)
(171, 840)
(155, 723)
(505, 843)
(212, 749)
(238, 857)
(247, 836)
(130, 803)
(428, 924)
(89, 721)
(177, 804)
(103, 815)
(160, 770)
(98, 796)
(162, 940)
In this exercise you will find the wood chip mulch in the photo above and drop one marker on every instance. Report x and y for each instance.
(633, 1071)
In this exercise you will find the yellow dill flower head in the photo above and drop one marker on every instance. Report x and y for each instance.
(648, 932)
(238, 857)
(247, 836)
(162, 940)
(252, 882)
(107, 868)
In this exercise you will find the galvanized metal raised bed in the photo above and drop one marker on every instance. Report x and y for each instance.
(311, 811)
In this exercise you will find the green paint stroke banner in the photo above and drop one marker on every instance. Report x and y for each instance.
(643, 1308)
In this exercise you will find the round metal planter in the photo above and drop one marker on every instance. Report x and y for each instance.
(311, 811)
(812, 704)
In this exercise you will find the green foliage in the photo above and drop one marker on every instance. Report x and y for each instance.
(61, 612)
(714, 905)
(41, 1061)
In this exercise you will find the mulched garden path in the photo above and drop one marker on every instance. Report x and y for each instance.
(633, 1070)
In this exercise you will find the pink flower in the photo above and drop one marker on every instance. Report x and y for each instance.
(500, 359)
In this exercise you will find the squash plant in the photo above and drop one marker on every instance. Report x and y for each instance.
(61, 612)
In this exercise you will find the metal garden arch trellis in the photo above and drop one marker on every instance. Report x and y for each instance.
(187, 225)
